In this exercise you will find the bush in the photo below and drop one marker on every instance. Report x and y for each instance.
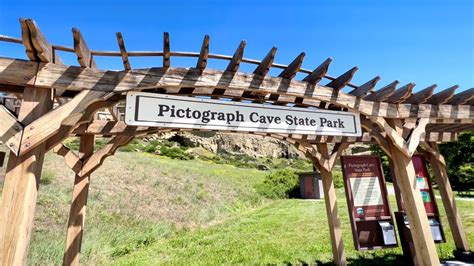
(279, 184)
(337, 178)
(175, 153)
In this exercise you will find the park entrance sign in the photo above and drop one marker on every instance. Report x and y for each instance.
(157, 110)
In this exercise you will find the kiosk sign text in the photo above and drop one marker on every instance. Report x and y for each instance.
(158, 110)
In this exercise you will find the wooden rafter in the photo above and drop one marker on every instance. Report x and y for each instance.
(84, 56)
(290, 71)
(383, 93)
(173, 80)
(365, 88)
(204, 54)
(264, 66)
(401, 93)
(319, 72)
(421, 96)
(96, 160)
(341, 81)
(442, 96)
(236, 58)
(166, 50)
(123, 51)
(462, 97)
(72, 160)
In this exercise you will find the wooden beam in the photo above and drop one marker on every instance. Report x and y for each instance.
(72, 160)
(401, 94)
(442, 96)
(26, 39)
(341, 81)
(84, 56)
(96, 160)
(204, 54)
(319, 72)
(447, 196)
(383, 93)
(421, 96)
(123, 51)
(21, 185)
(264, 66)
(330, 199)
(462, 97)
(292, 69)
(424, 245)
(237, 58)
(77, 212)
(10, 130)
(166, 50)
(15, 72)
(67, 114)
(365, 88)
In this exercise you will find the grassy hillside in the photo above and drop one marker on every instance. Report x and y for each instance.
(147, 209)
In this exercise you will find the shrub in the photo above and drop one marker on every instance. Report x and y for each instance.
(337, 178)
(175, 153)
(279, 184)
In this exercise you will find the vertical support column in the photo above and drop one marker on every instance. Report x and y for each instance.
(447, 196)
(420, 230)
(21, 185)
(78, 206)
(331, 210)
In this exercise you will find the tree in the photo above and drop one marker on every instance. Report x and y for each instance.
(459, 157)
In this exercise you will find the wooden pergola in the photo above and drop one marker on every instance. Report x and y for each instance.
(59, 101)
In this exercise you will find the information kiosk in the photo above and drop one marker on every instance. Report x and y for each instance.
(369, 211)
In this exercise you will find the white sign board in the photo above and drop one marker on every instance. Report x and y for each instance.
(366, 191)
(158, 110)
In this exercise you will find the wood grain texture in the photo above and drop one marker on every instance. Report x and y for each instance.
(341, 81)
(10, 130)
(77, 213)
(319, 72)
(424, 245)
(21, 185)
(383, 93)
(204, 54)
(123, 51)
(292, 69)
(67, 114)
(442, 96)
(264, 66)
(234, 63)
(84, 56)
(447, 196)
(166, 50)
(365, 88)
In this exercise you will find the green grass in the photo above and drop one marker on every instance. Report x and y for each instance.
(148, 209)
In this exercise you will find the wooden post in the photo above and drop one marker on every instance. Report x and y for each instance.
(439, 169)
(420, 230)
(78, 207)
(21, 185)
(331, 210)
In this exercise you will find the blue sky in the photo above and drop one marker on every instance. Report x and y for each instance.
(424, 42)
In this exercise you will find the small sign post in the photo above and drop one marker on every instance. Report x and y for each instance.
(369, 210)
(158, 110)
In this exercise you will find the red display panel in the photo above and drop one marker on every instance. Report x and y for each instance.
(366, 194)
(423, 183)
(365, 186)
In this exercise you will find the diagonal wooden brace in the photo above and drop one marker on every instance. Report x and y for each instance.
(68, 114)
(10, 130)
